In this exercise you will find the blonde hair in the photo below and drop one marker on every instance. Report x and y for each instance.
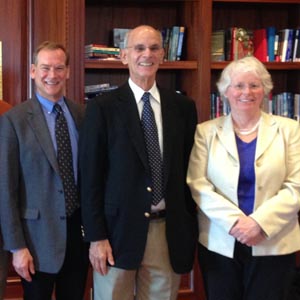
(49, 45)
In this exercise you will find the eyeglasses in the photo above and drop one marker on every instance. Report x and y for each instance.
(143, 48)
(241, 86)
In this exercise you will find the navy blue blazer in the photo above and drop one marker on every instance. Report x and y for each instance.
(115, 175)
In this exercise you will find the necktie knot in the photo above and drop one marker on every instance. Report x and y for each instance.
(146, 97)
(57, 108)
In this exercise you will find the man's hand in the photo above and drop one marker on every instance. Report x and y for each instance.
(100, 254)
(247, 231)
(23, 263)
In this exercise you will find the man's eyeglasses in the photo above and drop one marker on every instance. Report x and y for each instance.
(143, 48)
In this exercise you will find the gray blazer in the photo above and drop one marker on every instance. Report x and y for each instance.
(32, 204)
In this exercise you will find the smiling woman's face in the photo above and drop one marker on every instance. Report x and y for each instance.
(245, 93)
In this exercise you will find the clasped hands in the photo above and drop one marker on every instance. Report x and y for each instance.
(247, 231)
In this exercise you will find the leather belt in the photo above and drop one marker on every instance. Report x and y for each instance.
(158, 214)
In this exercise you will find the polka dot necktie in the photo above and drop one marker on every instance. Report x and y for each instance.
(65, 161)
(153, 149)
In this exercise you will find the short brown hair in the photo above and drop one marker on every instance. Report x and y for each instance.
(49, 45)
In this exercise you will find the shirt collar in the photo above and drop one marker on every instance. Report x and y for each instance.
(138, 92)
(48, 105)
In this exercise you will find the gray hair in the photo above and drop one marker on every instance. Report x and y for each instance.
(246, 64)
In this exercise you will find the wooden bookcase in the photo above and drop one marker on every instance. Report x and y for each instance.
(103, 16)
(79, 22)
(254, 15)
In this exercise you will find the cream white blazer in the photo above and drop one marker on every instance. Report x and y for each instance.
(213, 179)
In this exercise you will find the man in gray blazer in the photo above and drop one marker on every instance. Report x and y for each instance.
(43, 234)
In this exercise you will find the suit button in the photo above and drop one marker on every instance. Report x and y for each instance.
(149, 189)
(147, 215)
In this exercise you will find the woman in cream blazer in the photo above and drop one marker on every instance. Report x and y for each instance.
(248, 253)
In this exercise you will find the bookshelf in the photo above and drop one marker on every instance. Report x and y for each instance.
(79, 22)
(260, 14)
(102, 17)
(195, 74)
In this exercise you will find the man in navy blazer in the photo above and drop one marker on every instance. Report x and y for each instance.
(137, 247)
(47, 245)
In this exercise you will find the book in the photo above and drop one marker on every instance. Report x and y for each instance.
(173, 43)
(92, 91)
(276, 48)
(260, 44)
(296, 46)
(108, 50)
(166, 32)
(271, 33)
(289, 48)
(228, 44)
(297, 107)
(94, 46)
(283, 43)
(95, 87)
(180, 42)
(218, 45)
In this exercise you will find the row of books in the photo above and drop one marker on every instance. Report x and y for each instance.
(267, 44)
(173, 38)
(285, 104)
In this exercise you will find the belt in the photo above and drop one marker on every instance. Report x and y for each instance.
(158, 214)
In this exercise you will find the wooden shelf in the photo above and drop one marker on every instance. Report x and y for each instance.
(269, 65)
(259, 1)
(116, 64)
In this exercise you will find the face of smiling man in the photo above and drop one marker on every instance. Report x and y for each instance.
(143, 54)
(50, 73)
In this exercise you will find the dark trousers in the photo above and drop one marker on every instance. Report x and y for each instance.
(245, 277)
(69, 282)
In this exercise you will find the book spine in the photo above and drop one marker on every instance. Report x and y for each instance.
(289, 49)
(180, 42)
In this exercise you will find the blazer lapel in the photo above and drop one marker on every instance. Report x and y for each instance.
(226, 135)
(39, 127)
(168, 120)
(266, 132)
(76, 113)
(128, 112)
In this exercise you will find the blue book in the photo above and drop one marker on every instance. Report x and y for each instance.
(289, 49)
(271, 32)
(180, 42)
(173, 43)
